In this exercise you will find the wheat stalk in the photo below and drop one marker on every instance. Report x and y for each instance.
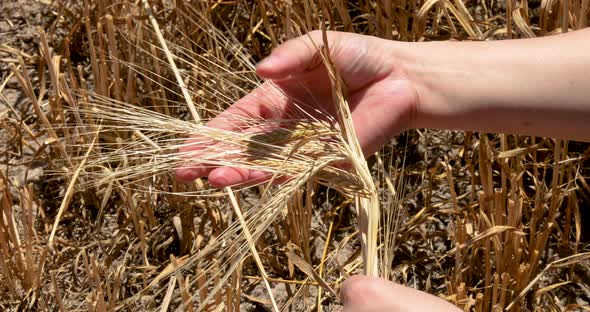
(367, 206)
(139, 147)
(149, 145)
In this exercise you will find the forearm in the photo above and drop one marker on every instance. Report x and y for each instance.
(534, 86)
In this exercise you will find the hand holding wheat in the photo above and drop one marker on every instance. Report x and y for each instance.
(380, 96)
(394, 86)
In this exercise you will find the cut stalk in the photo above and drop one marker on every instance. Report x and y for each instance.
(367, 206)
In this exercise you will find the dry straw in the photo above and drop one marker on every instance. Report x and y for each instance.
(488, 222)
(297, 148)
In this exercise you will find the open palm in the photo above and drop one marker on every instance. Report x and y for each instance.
(381, 98)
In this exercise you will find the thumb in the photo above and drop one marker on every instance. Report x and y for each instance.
(292, 57)
(363, 293)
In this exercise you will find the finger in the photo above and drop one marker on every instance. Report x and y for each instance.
(363, 293)
(292, 57)
(230, 176)
(206, 153)
(190, 173)
(349, 52)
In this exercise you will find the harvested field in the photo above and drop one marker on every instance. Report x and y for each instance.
(97, 97)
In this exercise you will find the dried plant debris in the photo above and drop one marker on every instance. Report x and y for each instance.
(100, 101)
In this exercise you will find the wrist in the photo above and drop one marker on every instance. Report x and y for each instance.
(451, 79)
(520, 86)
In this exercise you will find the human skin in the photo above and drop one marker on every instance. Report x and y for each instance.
(528, 86)
(373, 81)
(532, 86)
(370, 294)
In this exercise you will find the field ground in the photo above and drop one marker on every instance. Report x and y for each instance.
(486, 221)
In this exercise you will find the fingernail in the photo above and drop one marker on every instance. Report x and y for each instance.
(186, 175)
(267, 63)
(218, 182)
(220, 177)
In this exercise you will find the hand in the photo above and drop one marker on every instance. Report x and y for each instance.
(371, 294)
(380, 96)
